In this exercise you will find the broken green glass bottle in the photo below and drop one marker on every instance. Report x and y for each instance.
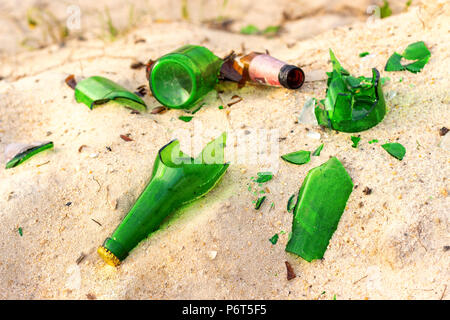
(176, 179)
(320, 203)
(183, 77)
(351, 104)
(97, 90)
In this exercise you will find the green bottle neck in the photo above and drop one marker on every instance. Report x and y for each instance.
(151, 208)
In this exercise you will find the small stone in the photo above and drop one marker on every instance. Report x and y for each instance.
(313, 135)
(443, 131)
(212, 254)
(93, 155)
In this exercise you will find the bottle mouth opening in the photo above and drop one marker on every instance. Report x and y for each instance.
(291, 77)
(172, 83)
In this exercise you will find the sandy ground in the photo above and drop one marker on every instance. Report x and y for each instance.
(389, 244)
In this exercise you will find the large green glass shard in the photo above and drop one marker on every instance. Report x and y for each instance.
(98, 90)
(320, 203)
(395, 149)
(176, 179)
(415, 51)
(351, 104)
(17, 153)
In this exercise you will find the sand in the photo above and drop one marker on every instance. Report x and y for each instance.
(390, 244)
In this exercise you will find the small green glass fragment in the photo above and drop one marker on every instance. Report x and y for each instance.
(185, 118)
(320, 203)
(264, 177)
(316, 152)
(291, 203)
(297, 157)
(271, 30)
(373, 141)
(259, 202)
(415, 51)
(176, 180)
(384, 80)
(385, 10)
(20, 231)
(220, 107)
(274, 239)
(24, 152)
(250, 29)
(355, 141)
(97, 90)
(334, 297)
(395, 149)
(352, 104)
(363, 54)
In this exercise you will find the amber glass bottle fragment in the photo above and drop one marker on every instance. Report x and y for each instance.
(264, 69)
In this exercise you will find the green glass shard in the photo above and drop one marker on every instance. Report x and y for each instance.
(20, 230)
(274, 239)
(264, 177)
(185, 118)
(317, 152)
(373, 141)
(297, 157)
(259, 202)
(385, 10)
(395, 149)
(384, 80)
(363, 54)
(18, 153)
(415, 51)
(320, 203)
(97, 90)
(355, 141)
(250, 29)
(351, 104)
(291, 203)
(176, 180)
(271, 30)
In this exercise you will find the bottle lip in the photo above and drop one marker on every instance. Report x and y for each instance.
(108, 256)
(187, 65)
(291, 77)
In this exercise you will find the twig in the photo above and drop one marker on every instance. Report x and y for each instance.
(443, 293)
(360, 279)
(97, 222)
(80, 258)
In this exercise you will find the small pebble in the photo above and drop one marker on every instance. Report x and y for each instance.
(212, 254)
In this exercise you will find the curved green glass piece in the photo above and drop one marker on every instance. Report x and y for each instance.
(415, 51)
(183, 77)
(176, 180)
(97, 90)
(320, 204)
(351, 104)
(25, 155)
(395, 149)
